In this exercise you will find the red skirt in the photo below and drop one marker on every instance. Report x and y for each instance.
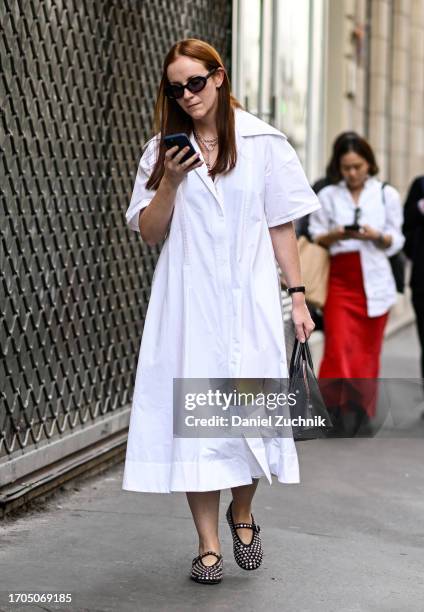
(353, 340)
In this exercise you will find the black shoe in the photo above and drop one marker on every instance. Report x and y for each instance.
(336, 430)
(367, 428)
(247, 556)
(207, 574)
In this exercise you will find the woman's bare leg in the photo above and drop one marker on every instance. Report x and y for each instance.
(204, 507)
(242, 512)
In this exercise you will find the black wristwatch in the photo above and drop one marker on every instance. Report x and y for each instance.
(300, 289)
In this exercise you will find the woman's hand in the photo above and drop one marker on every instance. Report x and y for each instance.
(336, 234)
(304, 326)
(365, 233)
(176, 171)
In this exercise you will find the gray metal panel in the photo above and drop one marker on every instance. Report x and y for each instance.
(78, 82)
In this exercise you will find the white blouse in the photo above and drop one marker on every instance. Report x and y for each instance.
(383, 214)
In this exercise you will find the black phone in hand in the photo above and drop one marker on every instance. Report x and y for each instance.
(354, 227)
(180, 140)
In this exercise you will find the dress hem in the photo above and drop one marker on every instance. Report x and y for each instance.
(182, 488)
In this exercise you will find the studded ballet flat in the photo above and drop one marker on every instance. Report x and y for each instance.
(247, 556)
(207, 574)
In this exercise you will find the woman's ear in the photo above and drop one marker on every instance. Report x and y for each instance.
(219, 77)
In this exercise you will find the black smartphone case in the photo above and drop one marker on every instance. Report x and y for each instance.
(180, 140)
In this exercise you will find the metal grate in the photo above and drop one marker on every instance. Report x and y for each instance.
(78, 81)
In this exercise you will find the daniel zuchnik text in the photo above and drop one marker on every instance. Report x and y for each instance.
(272, 420)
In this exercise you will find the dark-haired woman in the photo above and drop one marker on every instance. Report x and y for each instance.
(331, 174)
(332, 170)
(361, 286)
(215, 306)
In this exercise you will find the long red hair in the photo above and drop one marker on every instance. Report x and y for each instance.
(169, 117)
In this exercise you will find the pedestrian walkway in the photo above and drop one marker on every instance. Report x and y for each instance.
(400, 356)
(349, 538)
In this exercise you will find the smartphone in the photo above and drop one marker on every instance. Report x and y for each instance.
(181, 140)
(355, 227)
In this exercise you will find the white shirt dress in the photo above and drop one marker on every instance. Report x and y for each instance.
(215, 311)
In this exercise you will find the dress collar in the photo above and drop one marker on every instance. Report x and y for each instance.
(248, 125)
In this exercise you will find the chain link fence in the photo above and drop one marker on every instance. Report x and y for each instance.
(78, 82)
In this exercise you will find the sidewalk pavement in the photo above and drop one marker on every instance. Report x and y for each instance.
(349, 538)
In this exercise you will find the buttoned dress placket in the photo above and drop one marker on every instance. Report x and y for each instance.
(228, 309)
(231, 303)
(229, 272)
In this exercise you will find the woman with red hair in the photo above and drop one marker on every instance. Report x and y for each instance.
(215, 308)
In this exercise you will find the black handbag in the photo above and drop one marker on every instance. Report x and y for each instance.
(397, 261)
(309, 416)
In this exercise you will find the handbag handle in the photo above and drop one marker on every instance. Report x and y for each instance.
(307, 351)
(301, 351)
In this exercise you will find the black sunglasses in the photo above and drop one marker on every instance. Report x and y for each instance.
(195, 84)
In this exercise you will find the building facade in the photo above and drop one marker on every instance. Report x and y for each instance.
(376, 58)
(315, 68)
(278, 69)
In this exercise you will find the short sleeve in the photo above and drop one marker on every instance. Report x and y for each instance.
(319, 221)
(394, 220)
(288, 195)
(141, 196)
